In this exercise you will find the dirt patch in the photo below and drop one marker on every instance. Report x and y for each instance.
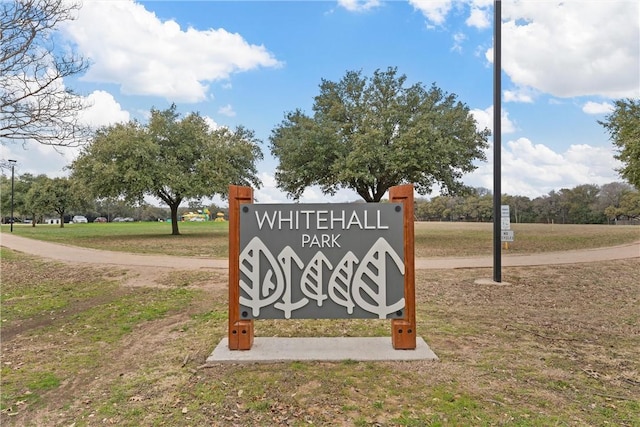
(142, 276)
(45, 320)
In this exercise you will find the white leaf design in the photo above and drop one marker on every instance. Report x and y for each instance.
(372, 270)
(311, 281)
(340, 282)
(260, 293)
(286, 258)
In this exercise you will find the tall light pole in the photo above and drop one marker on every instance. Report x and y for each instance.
(497, 140)
(13, 163)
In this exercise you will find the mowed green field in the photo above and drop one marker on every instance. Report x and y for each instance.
(433, 239)
(89, 345)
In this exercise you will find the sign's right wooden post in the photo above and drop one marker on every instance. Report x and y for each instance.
(403, 331)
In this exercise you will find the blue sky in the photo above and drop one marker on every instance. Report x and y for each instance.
(249, 62)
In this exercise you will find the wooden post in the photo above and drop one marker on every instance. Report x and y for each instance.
(240, 331)
(403, 331)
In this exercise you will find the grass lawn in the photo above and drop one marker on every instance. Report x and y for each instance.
(433, 239)
(88, 345)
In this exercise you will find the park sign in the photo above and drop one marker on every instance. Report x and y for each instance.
(314, 261)
(329, 261)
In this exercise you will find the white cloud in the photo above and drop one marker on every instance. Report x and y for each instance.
(597, 108)
(573, 48)
(36, 159)
(533, 170)
(147, 56)
(484, 118)
(458, 39)
(434, 10)
(359, 5)
(102, 110)
(521, 95)
(227, 110)
(270, 193)
(479, 18)
(211, 123)
(534, 153)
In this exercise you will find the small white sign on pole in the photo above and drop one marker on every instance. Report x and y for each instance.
(505, 224)
(507, 236)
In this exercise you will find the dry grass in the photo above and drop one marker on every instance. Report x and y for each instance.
(433, 239)
(558, 346)
(443, 239)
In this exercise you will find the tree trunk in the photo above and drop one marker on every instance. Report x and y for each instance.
(61, 220)
(174, 219)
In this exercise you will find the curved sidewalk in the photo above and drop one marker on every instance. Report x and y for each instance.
(631, 250)
(77, 254)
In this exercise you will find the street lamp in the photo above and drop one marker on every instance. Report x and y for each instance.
(13, 163)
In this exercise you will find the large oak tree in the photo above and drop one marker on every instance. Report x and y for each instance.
(369, 134)
(171, 158)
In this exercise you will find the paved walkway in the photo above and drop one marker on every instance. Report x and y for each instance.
(77, 254)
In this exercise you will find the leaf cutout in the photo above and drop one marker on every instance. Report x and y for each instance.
(311, 281)
(340, 282)
(286, 258)
(271, 288)
(373, 267)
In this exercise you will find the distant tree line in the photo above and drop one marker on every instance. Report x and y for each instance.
(584, 204)
(39, 198)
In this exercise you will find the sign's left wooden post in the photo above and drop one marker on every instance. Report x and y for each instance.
(240, 330)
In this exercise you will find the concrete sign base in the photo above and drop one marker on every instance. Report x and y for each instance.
(275, 349)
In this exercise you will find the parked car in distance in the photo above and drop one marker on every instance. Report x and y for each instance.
(120, 219)
(79, 219)
(100, 219)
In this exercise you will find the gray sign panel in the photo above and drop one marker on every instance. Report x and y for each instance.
(321, 261)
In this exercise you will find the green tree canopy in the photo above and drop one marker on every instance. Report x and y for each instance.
(171, 158)
(623, 125)
(59, 195)
(32, 192)
(369, 134)
(630, 205)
